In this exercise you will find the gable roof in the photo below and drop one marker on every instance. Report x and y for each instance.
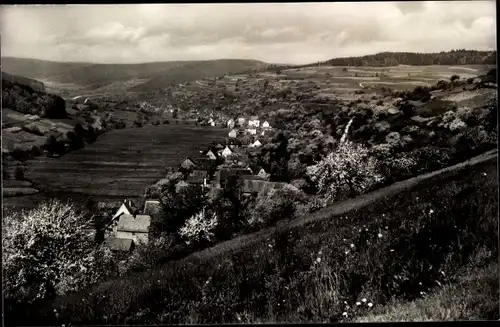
(125, 208)
(137, 224)
(119, 244)
(256, 185)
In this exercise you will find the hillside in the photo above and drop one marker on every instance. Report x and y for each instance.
(155, 75)
(34, 84)
(454, 57)
(317, 270)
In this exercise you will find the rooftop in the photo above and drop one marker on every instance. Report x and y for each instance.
(137, 224)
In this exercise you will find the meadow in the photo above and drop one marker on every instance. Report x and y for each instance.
(121, 163)
(403, 251)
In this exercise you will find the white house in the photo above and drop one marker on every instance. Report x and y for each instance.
(230, 123)
(255, 144)
(266, 124)
(252, 131)
(233, 133)
(226, 152)
(134, 228)
(211, 155)
(241, 121)
(124, 209)
(254, 121)
(262, 173)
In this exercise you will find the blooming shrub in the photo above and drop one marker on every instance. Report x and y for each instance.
(47, 251)
(199, 227)
(349, 170)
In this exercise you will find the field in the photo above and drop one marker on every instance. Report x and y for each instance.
(121, 163)
(342, 82)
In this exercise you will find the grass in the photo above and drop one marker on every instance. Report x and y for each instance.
(473, 297)
(388, 252)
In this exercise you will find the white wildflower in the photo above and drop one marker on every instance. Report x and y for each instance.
(363, 300)
(318, 260)
(352, 245)
(370, 305)
(358, 303)
(379, 235)
(344, 314)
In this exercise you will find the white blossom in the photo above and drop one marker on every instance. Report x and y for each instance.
(200, 226)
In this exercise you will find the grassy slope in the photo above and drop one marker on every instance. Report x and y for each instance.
(159, 74)
(281, 279)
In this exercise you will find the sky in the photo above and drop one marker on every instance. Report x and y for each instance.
(295, 33)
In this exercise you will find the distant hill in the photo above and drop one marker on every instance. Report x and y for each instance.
(154, 75)
(34, 84)
(454, 57)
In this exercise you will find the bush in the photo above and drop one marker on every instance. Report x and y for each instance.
(46, 251)
(349, 170)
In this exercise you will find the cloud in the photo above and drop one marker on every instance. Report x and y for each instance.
(295, 32)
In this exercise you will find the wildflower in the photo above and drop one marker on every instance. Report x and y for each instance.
(363, 300)
(442, 273)
(379, 235)
(345, 302)
(392, 250)
(319, 253)
(358, 303)
(431, 211)
(347, 252)
(370, 305)
(484, 174)
(318, 260)
(437, 281)
(420, 283)
(352, 245)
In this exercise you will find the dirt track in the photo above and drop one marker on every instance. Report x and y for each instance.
(337, 208)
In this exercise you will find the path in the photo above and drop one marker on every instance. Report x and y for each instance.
(336, 209)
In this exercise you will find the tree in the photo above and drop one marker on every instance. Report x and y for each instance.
(47, 251)
(454, 78)
(199, 228)
(75, 140)
(349, 170)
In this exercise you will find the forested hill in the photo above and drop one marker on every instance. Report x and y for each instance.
(454, 57)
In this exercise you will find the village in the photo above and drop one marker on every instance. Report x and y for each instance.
(211, 170)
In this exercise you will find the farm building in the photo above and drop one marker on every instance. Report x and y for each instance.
(134, 228)
(233, 133)
(151, 207)
(266, 124)
(254, 121)
(252, 131)
(230, 123)
(181, 185)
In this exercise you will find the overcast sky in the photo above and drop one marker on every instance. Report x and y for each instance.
(279, 33)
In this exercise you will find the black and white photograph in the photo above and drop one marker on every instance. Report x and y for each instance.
(249, 163)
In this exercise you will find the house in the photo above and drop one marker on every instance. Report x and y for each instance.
(262, 174)
(134, 228)
(255, 144)
(126, 208)
(253, 121)
(188, 163)
(151, 207)
(211, 155)
(233, 133)
(198, 177)
(230, 123)
(211, 122)
(241, 121)
(266, 124)
(252, 131)
(219, 146)
(120, 244)
(226, 152)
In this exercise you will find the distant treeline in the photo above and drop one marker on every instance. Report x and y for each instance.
(453, 57)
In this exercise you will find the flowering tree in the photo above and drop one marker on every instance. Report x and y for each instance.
(349, 170)
(200, 227)
(47, 251)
